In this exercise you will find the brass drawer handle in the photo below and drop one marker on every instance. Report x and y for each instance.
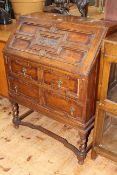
(16, 89)
(24, 71)
(42, 53)
(59, 83)
(72, 110)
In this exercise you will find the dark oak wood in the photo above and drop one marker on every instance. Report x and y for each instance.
(105, 137)
(52, 68)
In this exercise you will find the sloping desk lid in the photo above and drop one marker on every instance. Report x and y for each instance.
(69, 43)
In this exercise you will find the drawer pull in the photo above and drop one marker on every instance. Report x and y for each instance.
(16, 89)
(24, 70)
(59, 82)
(72, 110)
(42, 53)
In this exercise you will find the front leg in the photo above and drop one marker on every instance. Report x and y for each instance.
(82, 148)
(15, 110)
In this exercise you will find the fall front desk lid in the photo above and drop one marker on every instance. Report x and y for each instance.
(69, 43)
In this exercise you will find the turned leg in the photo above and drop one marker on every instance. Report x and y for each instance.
(82, 148)
(15, 110)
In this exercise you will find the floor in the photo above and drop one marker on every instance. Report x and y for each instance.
(25, 151)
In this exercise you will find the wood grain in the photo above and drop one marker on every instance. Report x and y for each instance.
(69, 48)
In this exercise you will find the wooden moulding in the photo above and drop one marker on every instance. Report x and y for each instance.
(105, 139)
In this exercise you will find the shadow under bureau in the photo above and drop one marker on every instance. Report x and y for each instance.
(52, 67)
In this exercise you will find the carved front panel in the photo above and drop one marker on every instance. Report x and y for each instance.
(68, 43)
(27, 28)
(53, 42)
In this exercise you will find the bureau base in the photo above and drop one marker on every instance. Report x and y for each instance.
(79, 152)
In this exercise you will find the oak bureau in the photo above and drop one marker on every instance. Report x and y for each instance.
(52, 67)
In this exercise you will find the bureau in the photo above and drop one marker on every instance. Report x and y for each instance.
(52, 67)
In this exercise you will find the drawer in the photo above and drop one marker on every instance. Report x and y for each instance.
(62, 104)
(23, 68)
(60, 81)
(18, 87)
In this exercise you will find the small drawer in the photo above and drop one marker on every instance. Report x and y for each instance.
(23, 68)
(18, 87)
(62, 104)
(60, 81)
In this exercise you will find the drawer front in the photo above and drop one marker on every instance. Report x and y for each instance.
(20, 88)
(23, 68)
(60, 81)
(64, 105)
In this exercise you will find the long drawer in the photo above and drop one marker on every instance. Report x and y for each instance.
(64, 105)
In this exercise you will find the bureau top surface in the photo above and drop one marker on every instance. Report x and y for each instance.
(64, 42)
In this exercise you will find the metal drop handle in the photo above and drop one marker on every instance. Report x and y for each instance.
(16, 89)
(72, 110)
(59, 83)
(24, 71)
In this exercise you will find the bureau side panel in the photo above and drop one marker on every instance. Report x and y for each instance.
(92, 91)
